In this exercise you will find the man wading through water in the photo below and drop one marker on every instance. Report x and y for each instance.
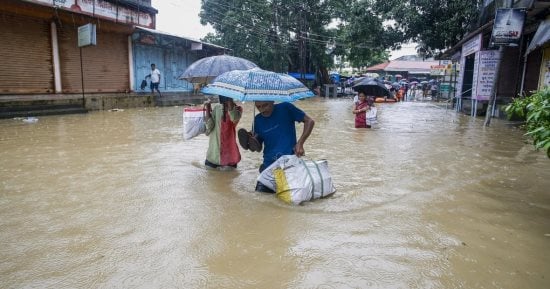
(274, 127)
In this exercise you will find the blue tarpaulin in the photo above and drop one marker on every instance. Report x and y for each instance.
(335, 77)
(298, 75)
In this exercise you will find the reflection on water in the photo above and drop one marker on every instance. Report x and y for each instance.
(426, 199)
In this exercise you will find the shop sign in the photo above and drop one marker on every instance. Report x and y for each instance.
(445, 87)
(485, 74)
(101, 8)
(507, 27)
(146, 38)
(459, 77)
(437, 70)
(87, 35)
(471, 46)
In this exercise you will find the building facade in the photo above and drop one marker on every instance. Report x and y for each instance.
(514, 70)
(170, 53)
(43, 61)
(43, 57)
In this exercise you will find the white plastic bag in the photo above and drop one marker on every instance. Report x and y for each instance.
(296, 180)
(371, 115)
(193, 122)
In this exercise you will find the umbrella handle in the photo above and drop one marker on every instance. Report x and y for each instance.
(253, 116)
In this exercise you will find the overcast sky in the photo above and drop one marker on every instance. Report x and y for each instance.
(181, 17)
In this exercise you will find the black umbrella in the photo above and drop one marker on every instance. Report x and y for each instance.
(372, 87)
(359, 79)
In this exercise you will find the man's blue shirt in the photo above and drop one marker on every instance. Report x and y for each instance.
(278, 131)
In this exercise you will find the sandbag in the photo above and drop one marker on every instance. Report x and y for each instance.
(296, 180)
(193, 122)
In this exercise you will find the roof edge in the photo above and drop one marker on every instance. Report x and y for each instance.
(179, 36)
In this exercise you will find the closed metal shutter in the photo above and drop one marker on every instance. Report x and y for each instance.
(532, 72)
(26, 55)
(105, 65)
(509, 72)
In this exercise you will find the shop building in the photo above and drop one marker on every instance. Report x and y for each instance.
(45, 69)
(521, 66)
(42, 54)
(171, 54)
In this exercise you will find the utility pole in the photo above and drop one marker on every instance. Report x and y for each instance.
(301, 41)
(275, 35)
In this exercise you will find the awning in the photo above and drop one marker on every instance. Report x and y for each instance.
(542, 36)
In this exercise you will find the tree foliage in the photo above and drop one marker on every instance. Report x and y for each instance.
(367, 37)
(279, 35)
(434, 24)
(289, 35)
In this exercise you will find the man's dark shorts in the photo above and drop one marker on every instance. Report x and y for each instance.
(154, 85)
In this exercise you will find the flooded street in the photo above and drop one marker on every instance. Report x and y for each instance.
(427, 199)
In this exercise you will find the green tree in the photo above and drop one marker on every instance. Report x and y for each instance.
(434, 24)
(289, 35)
(242, 26)
(278, 35)
(367, 37)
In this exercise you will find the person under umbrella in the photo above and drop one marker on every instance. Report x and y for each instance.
(372, 87)
(274, 126)
(360, 110)
(424, 88)
(396, 85)
(221, 122)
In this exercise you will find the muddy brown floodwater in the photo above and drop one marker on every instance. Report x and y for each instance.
(427, 199)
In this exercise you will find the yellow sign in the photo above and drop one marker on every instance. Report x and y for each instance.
(437, 70)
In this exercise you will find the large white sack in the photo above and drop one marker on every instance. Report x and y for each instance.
(371, 115)
(296, 180)
(193, 122)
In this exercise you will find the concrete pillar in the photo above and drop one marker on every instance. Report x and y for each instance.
(131, 64)
(55, 57)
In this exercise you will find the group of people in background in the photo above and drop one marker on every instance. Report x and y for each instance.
(409, 91)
